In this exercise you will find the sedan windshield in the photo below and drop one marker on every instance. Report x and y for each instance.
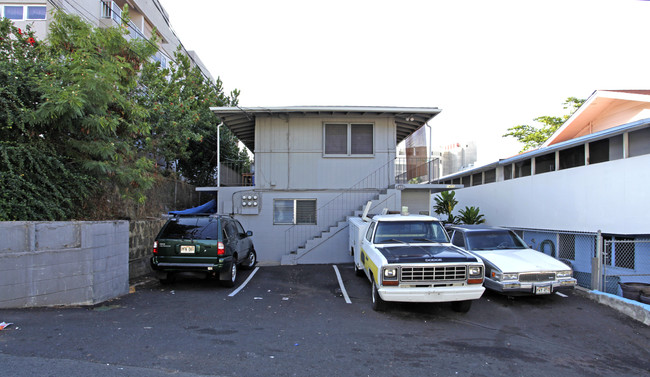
(410, 232)
(494, 240)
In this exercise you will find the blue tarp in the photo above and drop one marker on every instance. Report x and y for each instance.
(209, 207)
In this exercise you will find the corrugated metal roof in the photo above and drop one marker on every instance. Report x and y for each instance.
(241, 120)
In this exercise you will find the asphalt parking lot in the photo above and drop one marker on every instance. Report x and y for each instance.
(305, 321)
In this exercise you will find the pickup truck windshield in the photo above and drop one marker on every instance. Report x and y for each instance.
(410, 232)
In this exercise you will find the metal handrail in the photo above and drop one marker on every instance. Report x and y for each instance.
(337, 209)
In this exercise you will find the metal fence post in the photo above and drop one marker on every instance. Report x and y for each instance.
(597, 264)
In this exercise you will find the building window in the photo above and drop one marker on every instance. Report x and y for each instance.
(598, 151)
(348, 139)
(294, 211)
(18, 12)
(465, 181)
(36, 12)
(477, 179)
(490, 176)
(639, 142)
(507, 172)
(545, 163)
(572, 157)
(522, 169)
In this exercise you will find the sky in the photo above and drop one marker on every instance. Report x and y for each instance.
(488, 65)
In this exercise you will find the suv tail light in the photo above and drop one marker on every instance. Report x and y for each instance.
(155, 247)
(221, 249)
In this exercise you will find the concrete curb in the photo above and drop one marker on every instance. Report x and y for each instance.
(633, 309)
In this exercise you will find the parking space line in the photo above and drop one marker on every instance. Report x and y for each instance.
(345, 293)
(561, 294)
(245, 282)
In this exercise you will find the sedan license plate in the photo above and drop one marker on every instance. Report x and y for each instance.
(187, 249)
(545, 290)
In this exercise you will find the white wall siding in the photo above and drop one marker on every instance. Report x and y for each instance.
(289, 153)
(610, 196)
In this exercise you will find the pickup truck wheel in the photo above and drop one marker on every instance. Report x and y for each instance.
(377, 303)
(229, 282)
(461, 306)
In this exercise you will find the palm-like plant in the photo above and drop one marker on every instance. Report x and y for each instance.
(445, 203)
(471, 215)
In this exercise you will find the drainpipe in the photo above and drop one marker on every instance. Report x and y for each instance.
(216, 195)
(218, 156)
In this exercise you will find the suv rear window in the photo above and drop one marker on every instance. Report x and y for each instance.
(203, 228)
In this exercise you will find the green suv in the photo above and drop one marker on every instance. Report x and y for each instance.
(210, 244)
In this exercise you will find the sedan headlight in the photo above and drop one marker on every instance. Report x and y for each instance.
(499, 276)
(564, 274)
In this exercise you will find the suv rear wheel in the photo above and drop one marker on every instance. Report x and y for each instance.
(251, 260)
(230, 276)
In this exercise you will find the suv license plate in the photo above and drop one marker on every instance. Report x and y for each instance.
(187, 249)
(546, 290)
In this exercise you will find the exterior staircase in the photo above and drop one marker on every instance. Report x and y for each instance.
(337, 233)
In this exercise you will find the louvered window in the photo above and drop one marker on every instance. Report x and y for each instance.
(294, 211)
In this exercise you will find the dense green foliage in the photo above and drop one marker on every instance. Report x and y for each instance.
(532, 136)
(471, 215)
(89, 111)
(445, 204)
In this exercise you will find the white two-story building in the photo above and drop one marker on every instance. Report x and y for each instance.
(314, 166)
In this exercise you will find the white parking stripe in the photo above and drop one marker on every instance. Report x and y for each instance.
(561, 294)
(244, 284)
(345, 293)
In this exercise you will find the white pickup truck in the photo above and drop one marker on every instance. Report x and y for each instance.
(409, 258)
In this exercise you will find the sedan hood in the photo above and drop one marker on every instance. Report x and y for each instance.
(521, 260)
(425, 254)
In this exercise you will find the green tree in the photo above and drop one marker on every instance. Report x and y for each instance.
(445, 204)
(471, 215)
(533, 136)
(87, 110)
(183, 127)
(37, 182)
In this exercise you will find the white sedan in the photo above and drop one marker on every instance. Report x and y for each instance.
(511, 267)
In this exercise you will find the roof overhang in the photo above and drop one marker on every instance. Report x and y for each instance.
(241, 120)
(598, 102)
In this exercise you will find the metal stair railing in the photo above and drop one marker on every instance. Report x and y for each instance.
(343, 205)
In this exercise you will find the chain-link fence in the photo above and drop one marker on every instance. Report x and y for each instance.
(577, 249)
(626, 262)
(624, 259)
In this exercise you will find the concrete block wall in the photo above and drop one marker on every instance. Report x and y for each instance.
(142, 234)
(63, 263)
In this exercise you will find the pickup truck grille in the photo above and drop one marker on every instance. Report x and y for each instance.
(439, 273)
(536, 277)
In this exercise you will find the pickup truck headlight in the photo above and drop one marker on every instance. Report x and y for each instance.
(389, 276)
(390, 273)
(475, 271)
(564, 274)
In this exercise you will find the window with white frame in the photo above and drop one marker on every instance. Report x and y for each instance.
(24, 12)
(294, 211)
(348, 139)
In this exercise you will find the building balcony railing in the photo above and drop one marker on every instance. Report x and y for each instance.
(111, 10)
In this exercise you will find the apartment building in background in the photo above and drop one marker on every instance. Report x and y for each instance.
(146, 18)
